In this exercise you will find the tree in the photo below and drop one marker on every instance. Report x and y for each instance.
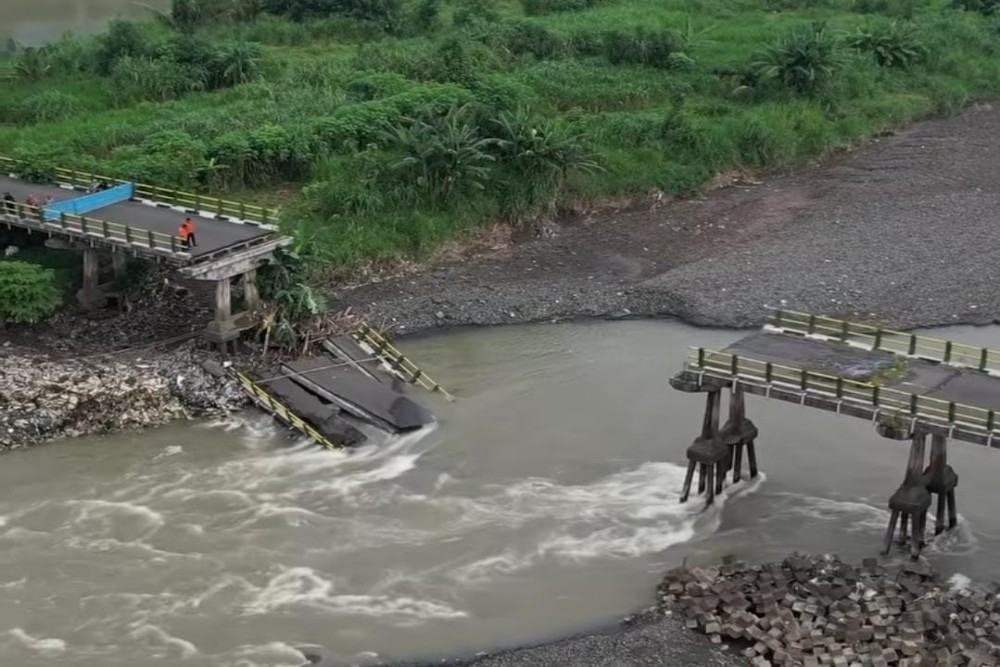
(28, 292)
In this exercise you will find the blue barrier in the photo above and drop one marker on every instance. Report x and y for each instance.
(91, 202)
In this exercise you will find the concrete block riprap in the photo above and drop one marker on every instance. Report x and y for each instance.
(818, 610)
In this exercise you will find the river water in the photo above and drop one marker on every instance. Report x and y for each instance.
(35, 22)
(544, 502)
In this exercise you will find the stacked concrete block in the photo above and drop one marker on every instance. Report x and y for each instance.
(812, 611)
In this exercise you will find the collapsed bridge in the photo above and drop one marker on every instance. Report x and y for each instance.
(911, 387)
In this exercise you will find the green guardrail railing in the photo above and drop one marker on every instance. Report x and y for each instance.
(382, 347)
(80, 225)
(903, 403)
(270, 403)
(872, 337)
(242, 210)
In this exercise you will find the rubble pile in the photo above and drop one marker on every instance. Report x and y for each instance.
(811, 611)
(45, 399)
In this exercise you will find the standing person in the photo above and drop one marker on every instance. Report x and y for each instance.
(50, 200)
(9, 205)
(33, 201)
(186, 233)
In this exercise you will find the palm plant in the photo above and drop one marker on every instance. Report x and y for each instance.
(239, 63)
(33, 64)
(444, 156)
(804, 61)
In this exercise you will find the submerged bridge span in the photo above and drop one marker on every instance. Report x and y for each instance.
(911, 387)
(233, 238)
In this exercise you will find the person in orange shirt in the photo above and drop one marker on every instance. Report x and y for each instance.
(186, 232)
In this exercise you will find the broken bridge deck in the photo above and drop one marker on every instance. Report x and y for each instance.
(900, 380)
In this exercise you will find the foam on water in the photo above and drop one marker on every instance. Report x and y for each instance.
(48, 647)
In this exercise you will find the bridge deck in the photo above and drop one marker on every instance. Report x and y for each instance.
(904, 379)
(212, 235)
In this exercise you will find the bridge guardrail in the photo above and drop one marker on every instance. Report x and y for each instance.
(903, 403)
(199, 202)
(872, 337)
(268, 401)
(81, 225)
(391, 355)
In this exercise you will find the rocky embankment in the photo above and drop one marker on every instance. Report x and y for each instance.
(43, 399)
(813, 611)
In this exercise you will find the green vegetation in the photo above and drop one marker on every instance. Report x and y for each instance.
(401, 123)
(28, 292)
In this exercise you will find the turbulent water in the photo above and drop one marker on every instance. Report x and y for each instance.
(544, 502)
(35, 22)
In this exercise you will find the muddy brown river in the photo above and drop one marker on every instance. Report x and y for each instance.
(35, 22)
(543, 503)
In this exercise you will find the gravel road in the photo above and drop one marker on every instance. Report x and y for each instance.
(902, 230)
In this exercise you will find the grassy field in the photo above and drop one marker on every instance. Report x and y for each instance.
(385, 127)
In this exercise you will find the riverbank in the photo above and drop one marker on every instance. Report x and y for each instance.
(897, 232)
(803, 610)
(44, 399)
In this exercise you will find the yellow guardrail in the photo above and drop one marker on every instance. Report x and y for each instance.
(269, 402)
(899, 401)
(244, 211)
(886, 340)
(81, 225)
(391, 355)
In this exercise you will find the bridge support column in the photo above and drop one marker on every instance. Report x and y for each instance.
(709, 454)
(251, 295)
(119, 263)
(910, 502)
(90, 294)
(739, 433)
(223, 328)
(941, 479)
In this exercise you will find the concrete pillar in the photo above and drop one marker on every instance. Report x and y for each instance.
(223, 300)
(710, 425)
(250, 293)
(915, 466)
(90, 295)
(118, 263)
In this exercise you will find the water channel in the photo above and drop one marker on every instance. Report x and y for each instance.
(544, 502)
(36, 22)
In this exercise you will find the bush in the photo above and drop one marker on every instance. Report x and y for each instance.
(427, 14)
(377, 86)
(123, 38)
(47, 105)
(804, 62)
(891, 44)
(984, 7)
(387, 15)
(524, 37)
(642, 47)
(28, 292)
(33, 65)
(537, 7)
(471, 12)
(144, 79)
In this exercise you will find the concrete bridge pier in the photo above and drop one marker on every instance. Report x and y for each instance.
(90, 295)
(910, 502)
(119, 263)
(739, 433)
(223, 328)
(708, 453)
(941, 480)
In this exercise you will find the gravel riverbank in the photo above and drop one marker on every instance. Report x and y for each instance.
(899, 230)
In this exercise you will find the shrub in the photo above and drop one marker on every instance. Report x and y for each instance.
(475, 11)
(33, 64)
(802, 62)
(642, 47)
(123, 38)
(427, 15)
(376, 86)
(47, 105)
(444, 156)
(891, 44)
(144, 79)
(237, 63)
(28, 292)
(984, 7)
(387, 15)
(537, 7)
(524, 37)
